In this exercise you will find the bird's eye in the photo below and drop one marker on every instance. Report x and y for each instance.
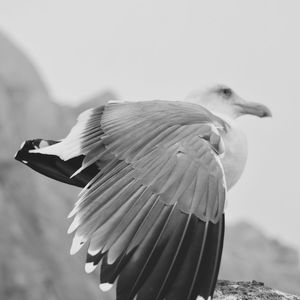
(227, 93)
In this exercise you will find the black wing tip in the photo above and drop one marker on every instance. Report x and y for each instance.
(24, 152)
(51, 165)
(204, 277)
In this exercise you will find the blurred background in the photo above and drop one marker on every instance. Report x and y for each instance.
(59, 57)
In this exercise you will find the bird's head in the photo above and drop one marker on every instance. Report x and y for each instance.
(223, 101)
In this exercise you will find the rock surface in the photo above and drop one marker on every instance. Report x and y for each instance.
(229, 290)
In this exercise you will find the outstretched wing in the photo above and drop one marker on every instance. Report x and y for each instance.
(153, 214)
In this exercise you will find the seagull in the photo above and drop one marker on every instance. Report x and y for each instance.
(154, 178)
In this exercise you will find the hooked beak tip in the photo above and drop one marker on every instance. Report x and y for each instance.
(256, 109)
(267, 113)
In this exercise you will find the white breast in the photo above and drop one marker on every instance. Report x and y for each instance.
(235, 156)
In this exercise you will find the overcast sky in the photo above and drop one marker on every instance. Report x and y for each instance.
(166, 49)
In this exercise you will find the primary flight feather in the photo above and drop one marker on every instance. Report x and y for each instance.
(154, 176)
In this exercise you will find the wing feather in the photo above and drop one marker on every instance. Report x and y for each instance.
(146, 255)
(153, 213)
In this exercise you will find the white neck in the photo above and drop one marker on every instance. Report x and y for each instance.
(235, 155)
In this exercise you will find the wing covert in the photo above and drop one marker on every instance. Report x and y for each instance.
(176, 155)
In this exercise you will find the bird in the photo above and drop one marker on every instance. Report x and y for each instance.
(154, 177)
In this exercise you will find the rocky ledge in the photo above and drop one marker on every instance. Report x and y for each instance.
(243, 290)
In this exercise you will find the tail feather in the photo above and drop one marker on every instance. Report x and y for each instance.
(54, 167)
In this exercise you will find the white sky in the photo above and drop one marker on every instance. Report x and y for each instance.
(165, 49)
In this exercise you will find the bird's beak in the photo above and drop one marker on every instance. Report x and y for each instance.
(253, 108)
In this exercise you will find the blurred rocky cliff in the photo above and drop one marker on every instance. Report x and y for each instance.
(34, 254)
(34, 248)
